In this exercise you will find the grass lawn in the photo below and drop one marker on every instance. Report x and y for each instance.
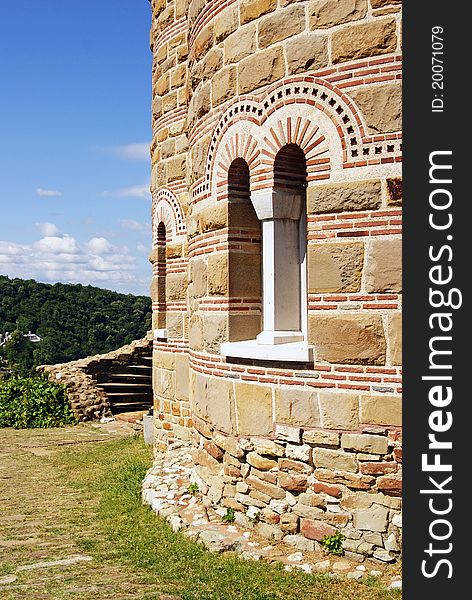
(129, 534)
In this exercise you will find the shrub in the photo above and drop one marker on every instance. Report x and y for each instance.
(33, 402)
(333, 544)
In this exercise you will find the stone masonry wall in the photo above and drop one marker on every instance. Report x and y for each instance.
(307, 446)
(88, 401)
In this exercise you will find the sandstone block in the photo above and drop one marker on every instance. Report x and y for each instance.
(201, 457)
(390, 485)
(288, 523)
(296, 407)
(163, 360)
(364, 500)
(394, 332)
(229, 445)
(373, 519)
(281, 25)
(252, 9)
(271, 532)
(267, 447)
(288, 433)
(321, 438)
(265, 487)
(214, 451)
(328, 13)
(225, 23)
(294, 482)
(335, 267)
(214, 331)
(382, 3)
(297, 452)
(336, 197)
(381, 410)
(316, 530)
(306, 52)
(240, 44)
(223, 85)
(308, 512)
(331, 490)
(260, 69)
(381, 107)
(269, 516)
(213, 217)
(270, 476)
(348, 339)
(164, 383)
(244, 275)
(198, 276)
(175, 167)
(378, 468)
(350, 480)
(260, 462)
(334, 459)
(207, 67)
(383, 273)
(178, 76)
(287, 464)
(176, 286)
(254, 405)
(174, 324)
(213, 402)
(203, 41)
(339, 410)
(373, 444)
(200, 103)
(364, 39)
(244, 326)
(181, 377)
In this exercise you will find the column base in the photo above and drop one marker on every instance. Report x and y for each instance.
(279, 337)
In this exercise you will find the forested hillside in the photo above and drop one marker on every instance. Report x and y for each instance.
(73, 321)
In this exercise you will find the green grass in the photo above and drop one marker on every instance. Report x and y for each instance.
(132, 535)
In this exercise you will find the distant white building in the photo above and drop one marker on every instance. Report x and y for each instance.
(33, 337)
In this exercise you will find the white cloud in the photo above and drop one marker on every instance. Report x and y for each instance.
(135, 191)
(136, 151)
(47, 193)
(47, 229)
(135, 225)
(56, 245)
(62, 258)
(99, 245)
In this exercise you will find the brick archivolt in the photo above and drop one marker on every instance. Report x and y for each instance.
(167, 210)
(324, 122)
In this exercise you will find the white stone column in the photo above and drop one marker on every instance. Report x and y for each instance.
(280, 211)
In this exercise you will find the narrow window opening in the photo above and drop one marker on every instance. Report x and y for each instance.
(244, 256)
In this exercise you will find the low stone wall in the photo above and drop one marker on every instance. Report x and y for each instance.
(88, 401)
(309, 483)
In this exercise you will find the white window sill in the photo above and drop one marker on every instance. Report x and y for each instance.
(160, 334)
(290, 352)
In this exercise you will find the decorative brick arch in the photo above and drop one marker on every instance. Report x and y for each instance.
(304, 101)
(167, 210)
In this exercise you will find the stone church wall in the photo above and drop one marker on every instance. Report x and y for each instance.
(314, 445)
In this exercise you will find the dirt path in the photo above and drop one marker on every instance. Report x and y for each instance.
(42, 518)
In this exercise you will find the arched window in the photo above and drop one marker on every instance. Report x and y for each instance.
(244, 241)
(282, 213)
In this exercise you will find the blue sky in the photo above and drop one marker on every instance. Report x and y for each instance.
(75, 126)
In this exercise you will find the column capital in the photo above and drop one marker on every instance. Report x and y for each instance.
(277, 204)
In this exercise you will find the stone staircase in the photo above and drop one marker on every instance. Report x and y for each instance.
(118, 383)
(128, 386)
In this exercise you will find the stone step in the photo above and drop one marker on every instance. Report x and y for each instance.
(130, 376)
(124, 384)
